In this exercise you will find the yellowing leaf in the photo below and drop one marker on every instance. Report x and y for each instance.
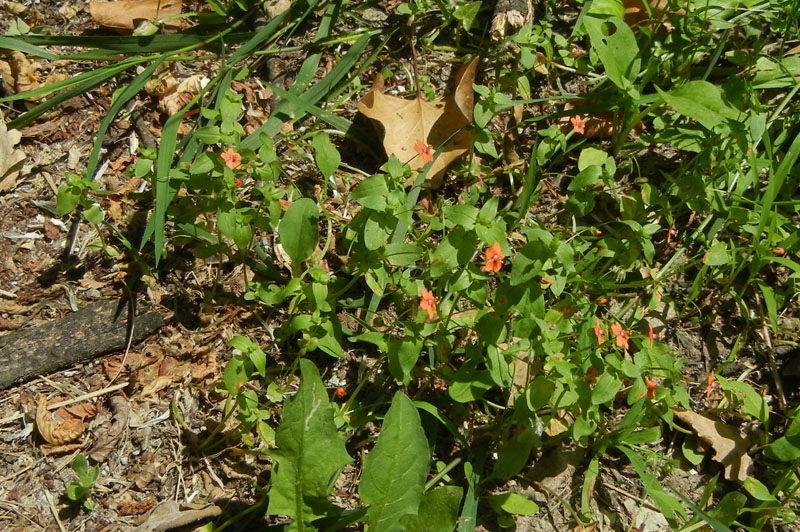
(402, 123)
(730, 448)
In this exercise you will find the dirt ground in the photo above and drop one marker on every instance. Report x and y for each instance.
(149, 438)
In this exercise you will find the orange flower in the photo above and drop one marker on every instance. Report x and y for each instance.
(340, 392)
(238, 182)
(578, 125)
(546, 281)
(598, 331)
(602, 301)
(779, 251)
(494, 258)
(621, 334)
(651, 387)
(428, 302)
(426, 150)
(711, 384)
(651, 334)
(231, 158)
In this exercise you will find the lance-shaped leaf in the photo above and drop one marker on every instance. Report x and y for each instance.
(393, 480)
(402, 123)
(310, 454)
(438, 511)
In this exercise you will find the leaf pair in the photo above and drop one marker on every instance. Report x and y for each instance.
(311, 453)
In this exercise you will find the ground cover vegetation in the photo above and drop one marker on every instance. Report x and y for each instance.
(497, 248)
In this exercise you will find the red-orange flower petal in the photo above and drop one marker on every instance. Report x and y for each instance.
(651, 387)
(598, 331)
(231, 158)
(651, 334)
(578, 125)
(494, 258)
(621, 335)
(340, 392)
(428, 302)
(426, 150)
(711, 384)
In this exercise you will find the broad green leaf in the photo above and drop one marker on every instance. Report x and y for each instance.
(701, 101)
(513, 503)
(393, 479)
(309, 456)
(753, 403)
(402, 254)
(327, 156)
(757, 490)
(371, 193)
(298, 230)
(606, 388)
(464, 215)
(403, 355)
(617, 49)
(717, 255)
(437, 512)
(787, 447)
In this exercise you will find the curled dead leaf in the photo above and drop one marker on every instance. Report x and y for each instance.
(23, 72)
(402, 124)
(10, 157)
(54, 428)
(730, 447)
(109, 434)
(126, 14)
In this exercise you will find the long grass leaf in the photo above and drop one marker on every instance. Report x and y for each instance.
(283, 111)
(129, 92)
(10, 43)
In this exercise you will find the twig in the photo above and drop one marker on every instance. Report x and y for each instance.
(414, 59)
(638, 499)
(78, 399)
(53, 509)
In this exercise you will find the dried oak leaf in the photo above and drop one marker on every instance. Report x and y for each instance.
(10, 158)
(57, 428)
(730, 448)
(126, 14)
(402, 123)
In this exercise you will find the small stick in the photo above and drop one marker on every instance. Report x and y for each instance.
(414, 59)
(53, 509)
(78, 399)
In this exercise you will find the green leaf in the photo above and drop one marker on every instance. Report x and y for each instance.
(606, 388)
(668, 505)
(758, 490)
(466, 13)
(403, 355)
(80, 465)
(787, 447)
(310, 453)
(617, 50)
(753, 403)
(701, 101)
(298, 230)
(717, 255)
(437, 512)
(401, 254)
(68, 197)
(514, 455)
(513, 503)
(371, 193)
(464, 215)
(393, 479)
(327, 156)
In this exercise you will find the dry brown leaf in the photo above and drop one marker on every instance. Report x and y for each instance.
(730, 448)
(109, 434)
(170, 514)
(126, 14)
(10, 157)
(57, 430)
(179, 94)
(82, 411)
(402, 123)
(23, 72)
